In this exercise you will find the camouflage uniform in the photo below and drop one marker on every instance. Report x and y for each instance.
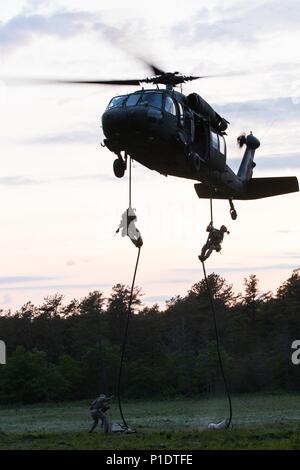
(127, 227)
(98, 408)
(214, 241)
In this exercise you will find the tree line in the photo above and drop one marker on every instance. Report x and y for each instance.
(59, 351)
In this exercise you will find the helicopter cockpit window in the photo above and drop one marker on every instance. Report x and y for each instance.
(170, 105)
(117, 102)
(133, 99)
(152, 99)
(215, 140)
(222, 144)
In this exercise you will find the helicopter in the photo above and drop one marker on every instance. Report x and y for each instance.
(180, 135)
(183, 136)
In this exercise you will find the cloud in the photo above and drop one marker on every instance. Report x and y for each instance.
(16, 181)
(17, 279)
(24, 28)
(32, 5)
(264, 110)
(271, 267)
(70, 262)
(275, 162)
(21, 29)
(290, 255)
(250, 269)
(22, 180)
(74, 137)
(57, 287)
(5, 300)
(96, 177)
(157, 298)
(169, 281)
(288, 231)
(243, 23)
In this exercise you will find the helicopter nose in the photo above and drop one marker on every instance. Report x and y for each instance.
(127, 122)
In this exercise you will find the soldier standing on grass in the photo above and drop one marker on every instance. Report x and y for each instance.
(98, 409)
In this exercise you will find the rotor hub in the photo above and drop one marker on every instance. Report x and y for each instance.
(170, 79)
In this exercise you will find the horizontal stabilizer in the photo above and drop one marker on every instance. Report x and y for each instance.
(256, 188)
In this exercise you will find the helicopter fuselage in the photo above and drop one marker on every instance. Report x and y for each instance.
(181, 136)
(159, 130)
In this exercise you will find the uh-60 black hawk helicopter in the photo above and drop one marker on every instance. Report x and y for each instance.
(182, 136)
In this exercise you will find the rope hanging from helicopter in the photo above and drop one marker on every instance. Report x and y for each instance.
(205, 253)
(127, 225)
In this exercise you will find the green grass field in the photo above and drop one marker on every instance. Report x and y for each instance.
(260, 422)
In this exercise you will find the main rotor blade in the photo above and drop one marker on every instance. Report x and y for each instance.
(50, 81)
(155, 70)
(225, 74)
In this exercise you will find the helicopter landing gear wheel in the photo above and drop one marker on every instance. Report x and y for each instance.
(119, 167)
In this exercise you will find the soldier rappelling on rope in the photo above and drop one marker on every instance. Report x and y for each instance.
(127, 227)
(215, 238)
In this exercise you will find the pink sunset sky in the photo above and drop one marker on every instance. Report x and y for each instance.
(60, 202)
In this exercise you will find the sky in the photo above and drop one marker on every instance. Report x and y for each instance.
(60, 202)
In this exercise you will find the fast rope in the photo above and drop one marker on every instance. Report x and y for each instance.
(125, 342)
(136, 238)
(228, 421)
